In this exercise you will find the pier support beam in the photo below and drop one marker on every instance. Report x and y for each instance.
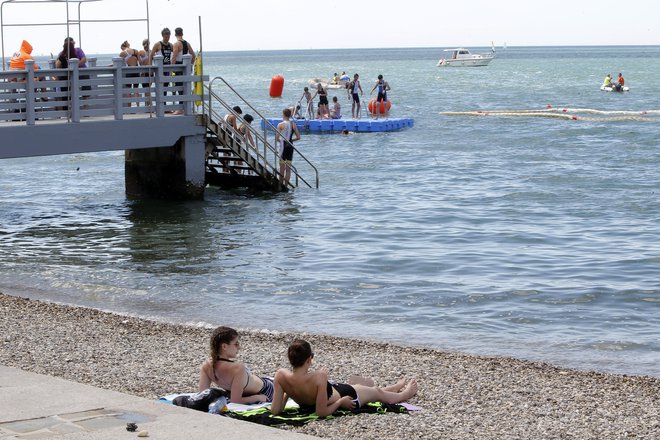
(175, 172)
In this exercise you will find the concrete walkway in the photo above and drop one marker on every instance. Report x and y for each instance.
(35, 406)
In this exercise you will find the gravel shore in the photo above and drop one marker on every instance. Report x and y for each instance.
(462, 396)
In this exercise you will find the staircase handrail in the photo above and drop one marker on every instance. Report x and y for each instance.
(268, 147)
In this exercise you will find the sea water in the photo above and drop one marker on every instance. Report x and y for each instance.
(530, 237)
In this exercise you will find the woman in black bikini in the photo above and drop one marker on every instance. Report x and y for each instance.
(312, 388)
(235, 377)
(323, 102)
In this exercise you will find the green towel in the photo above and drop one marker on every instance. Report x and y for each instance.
(298, 416)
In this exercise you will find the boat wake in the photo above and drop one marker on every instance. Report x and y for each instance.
(566, 113)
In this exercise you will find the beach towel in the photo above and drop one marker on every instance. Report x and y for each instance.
(296, 416)
(292, 414)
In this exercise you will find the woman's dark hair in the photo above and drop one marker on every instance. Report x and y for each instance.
(248, 118)
(221, 335)
(69, 50)
(299, 352)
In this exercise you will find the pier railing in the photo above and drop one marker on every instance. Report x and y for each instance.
(264, 149)
(36, 95)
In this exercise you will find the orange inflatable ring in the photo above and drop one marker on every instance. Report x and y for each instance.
(382, 107)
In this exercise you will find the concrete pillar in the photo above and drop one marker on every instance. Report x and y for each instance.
(175, 172)
(29, 93)
(118, 63)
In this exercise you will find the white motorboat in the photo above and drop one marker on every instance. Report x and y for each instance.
(461, 57)
(327, 83)
(614, 88)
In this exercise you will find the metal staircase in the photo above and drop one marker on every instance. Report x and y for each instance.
(233, 162)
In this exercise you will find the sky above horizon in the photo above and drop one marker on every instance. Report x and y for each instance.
(285, 24)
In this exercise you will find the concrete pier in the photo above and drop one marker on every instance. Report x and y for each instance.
(64, 111)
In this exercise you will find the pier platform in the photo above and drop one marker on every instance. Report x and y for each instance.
(354, 125)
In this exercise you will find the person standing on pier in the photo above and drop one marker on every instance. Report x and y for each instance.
(164, 48)
(145, 60)
(79, 53)
(180, 48)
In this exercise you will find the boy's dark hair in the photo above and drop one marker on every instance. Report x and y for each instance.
(299, 352)
(238, 110)
(248, 118)
(287, 112)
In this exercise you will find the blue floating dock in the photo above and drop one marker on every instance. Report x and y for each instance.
(337, 125)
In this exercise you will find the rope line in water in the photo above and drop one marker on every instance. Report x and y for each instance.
(567, 113)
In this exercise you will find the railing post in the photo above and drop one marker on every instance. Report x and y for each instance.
(74, 90)
(187, 85)
(91, 62)
(29, 93)
(158, 80)
(118, 63)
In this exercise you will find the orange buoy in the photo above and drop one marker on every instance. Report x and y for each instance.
(276, 86)
(373, 106)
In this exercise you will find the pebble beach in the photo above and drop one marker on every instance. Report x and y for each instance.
(461, 396)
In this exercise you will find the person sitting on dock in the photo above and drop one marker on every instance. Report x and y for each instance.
(286, 130)
(313, 390)
(336, 108)
(222, 369)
